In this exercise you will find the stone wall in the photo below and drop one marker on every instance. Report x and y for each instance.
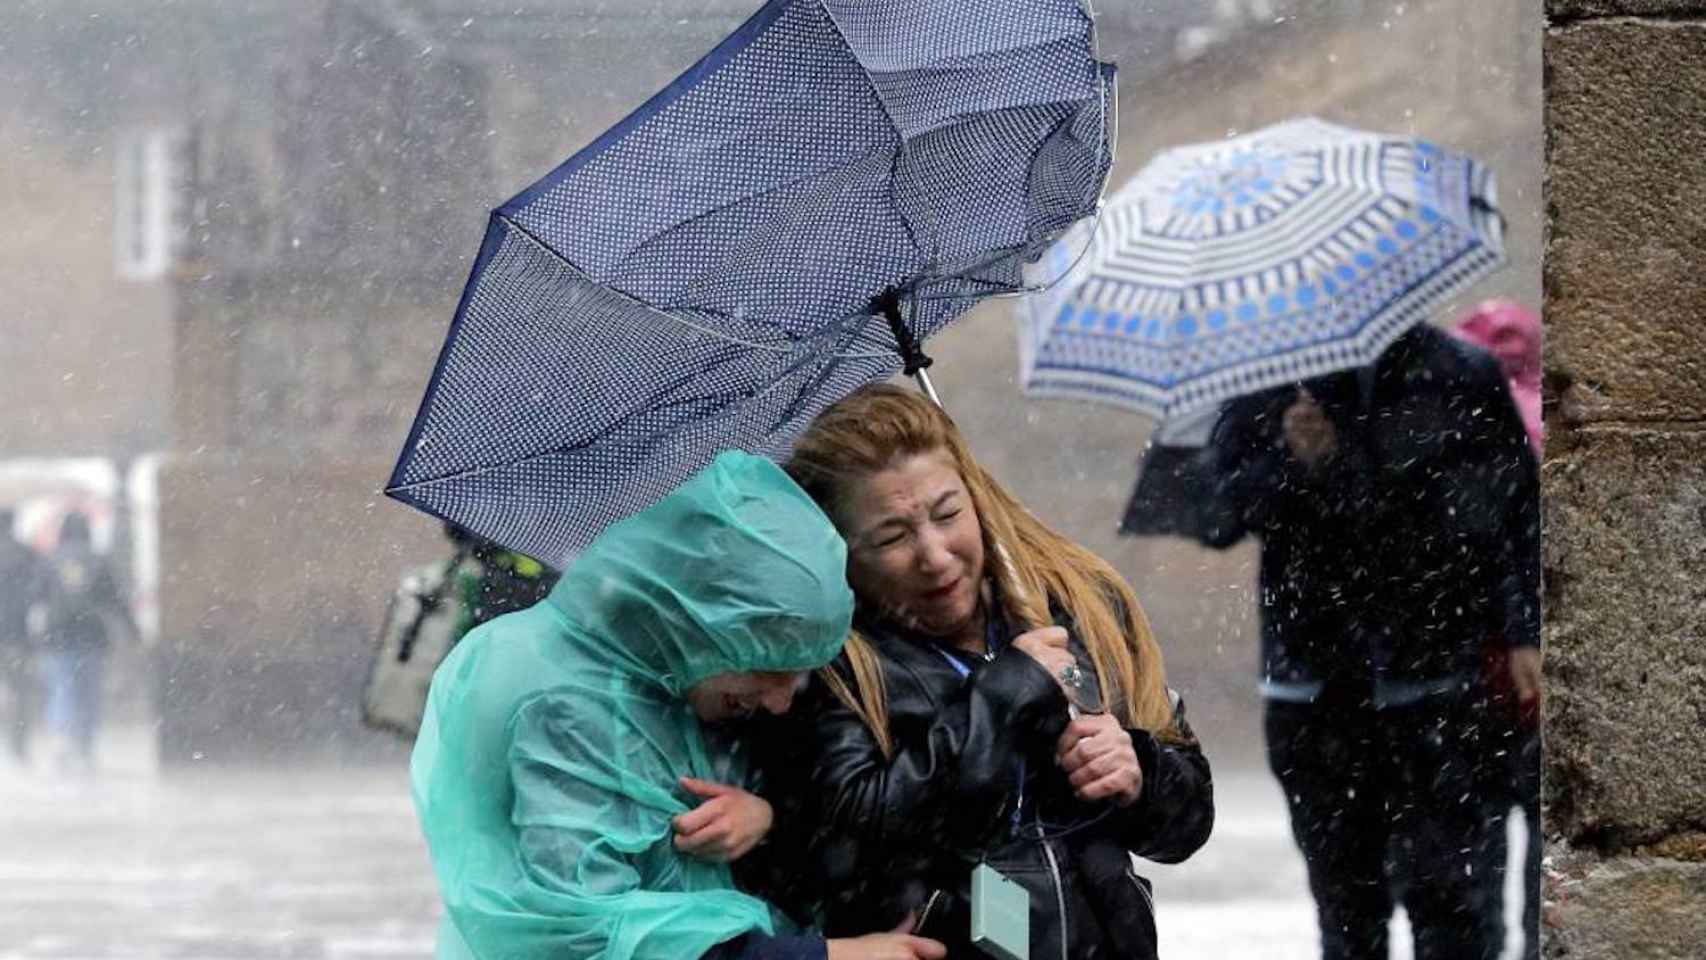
(1625, 478)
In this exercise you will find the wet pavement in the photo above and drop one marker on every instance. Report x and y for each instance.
(299, 865)
(329, 864)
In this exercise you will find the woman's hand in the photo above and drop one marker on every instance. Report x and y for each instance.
(1047, 646)
(897, 944)
(886, 946)
(1526, 675)
(1099, 760)
(726, 826)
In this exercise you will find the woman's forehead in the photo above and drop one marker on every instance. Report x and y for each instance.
(914, 482)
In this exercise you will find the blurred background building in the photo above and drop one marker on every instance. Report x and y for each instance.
(236, 235)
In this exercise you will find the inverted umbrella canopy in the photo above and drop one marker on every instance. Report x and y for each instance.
(1229, 267)
(706, 275)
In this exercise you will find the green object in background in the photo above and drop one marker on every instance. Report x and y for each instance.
(1000, 915)
(546, 771)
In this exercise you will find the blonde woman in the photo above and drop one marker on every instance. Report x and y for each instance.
(1001, 703)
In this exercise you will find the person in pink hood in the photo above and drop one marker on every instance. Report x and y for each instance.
(1511, 332)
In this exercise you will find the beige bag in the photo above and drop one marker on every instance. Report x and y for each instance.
(421, 625)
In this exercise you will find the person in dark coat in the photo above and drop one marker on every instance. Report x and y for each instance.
(1398, 512)
(497, 581)
(1512, 334)
(1001, 702)
(23, 578)
(84, 607)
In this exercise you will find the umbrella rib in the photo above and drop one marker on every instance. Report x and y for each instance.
(707, 331)
(467, 472)
(962, 273)
(476, 471)
(717, 334)
(899, 137)
(719, 208)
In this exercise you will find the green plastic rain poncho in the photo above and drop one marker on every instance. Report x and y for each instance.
(546, 770)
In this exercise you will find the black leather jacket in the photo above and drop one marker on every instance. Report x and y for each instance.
(874, 839)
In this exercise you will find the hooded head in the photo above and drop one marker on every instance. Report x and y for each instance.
(74, 530)
(736, 572)
(1511, 333)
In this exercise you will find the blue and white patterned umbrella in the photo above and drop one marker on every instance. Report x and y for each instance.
(1226, 268)
(710, 273)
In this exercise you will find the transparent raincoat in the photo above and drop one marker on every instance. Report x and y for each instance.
(546, 770)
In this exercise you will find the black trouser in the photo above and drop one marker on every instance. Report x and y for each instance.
(1362, 783)
(1514, 781)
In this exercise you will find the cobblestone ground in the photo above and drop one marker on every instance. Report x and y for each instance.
(329, 864)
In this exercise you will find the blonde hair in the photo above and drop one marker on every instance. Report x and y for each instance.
(1031, 564)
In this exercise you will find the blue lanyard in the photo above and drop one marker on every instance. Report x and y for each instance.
(989, 638)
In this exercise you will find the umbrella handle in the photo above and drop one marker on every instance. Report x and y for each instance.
(914, 359)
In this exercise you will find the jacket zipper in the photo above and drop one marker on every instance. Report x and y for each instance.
(1142, 891)
(1059, 896)
(929, 907)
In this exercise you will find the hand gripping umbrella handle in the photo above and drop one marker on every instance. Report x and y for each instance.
(914, 358)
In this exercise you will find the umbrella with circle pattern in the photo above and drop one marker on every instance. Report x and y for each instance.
(1225, 268)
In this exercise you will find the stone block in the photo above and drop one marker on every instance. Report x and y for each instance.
(1625, 907)
(1626, 599)
(1624, 291)
(1560, 10)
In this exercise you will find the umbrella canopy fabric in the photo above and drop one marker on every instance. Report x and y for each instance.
(1226, 268)
(703, 276)
(1173, 484)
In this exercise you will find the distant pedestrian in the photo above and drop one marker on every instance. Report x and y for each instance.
(1397, 509)
(1512, 334)
(492, 581)
(84, 607)
(433, 608)
(23, 581)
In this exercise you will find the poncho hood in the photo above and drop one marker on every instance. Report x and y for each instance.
(736, 571)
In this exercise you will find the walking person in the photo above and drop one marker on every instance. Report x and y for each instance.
(84, 608)
(1397, 509)
(1000, 710)
(567, 774)
(1512, 334)
(23, 581)
(490, 581)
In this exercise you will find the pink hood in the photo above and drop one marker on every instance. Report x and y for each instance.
(1511, 332)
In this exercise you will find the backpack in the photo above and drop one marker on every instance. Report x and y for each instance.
(424, 619)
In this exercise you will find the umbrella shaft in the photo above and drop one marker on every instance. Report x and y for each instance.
(929, 388)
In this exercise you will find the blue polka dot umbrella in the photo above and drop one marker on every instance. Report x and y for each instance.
(1226, 268)
(783, 223)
